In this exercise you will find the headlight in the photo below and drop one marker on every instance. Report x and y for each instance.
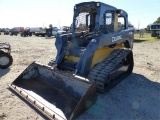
(98, 4)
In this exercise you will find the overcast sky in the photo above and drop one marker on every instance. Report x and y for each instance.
(41, 13)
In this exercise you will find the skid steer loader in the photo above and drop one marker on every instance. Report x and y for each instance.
(97, 55)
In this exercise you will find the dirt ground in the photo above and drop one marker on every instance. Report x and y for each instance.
(137, 97)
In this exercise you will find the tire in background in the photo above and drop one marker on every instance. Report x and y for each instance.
(10, 60)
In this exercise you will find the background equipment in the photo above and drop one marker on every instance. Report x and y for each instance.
(5, 57)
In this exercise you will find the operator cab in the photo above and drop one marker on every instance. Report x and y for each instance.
(91, 20)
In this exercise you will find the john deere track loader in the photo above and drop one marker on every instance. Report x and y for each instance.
(97, 55)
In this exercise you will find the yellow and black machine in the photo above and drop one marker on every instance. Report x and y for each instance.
(96, 55)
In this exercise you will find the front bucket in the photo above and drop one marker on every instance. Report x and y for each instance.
(57, 94)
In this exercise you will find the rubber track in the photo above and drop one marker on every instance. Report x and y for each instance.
(100, 73)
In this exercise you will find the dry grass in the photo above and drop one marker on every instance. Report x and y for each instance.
(146, 37)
